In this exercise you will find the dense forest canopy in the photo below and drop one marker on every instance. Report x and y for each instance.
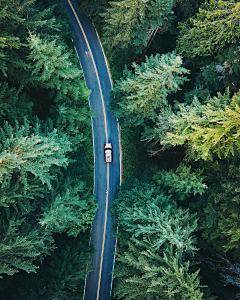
(46, 164)
(176, 68)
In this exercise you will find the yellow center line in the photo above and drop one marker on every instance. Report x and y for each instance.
(95, 68)
(106, 132)
(104, 233)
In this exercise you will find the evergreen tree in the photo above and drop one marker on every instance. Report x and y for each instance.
(214, 27)
(156, 247)
(181, 182)
(25, 151)
(132, 22)
(21, 244)
(17, 19)
(51, 64)
(218, 207)
(37, 63)
(72, 211)
(155, 277)
(208, 129)
(139, 94)
(10, 98)
(60, 276)
(65, 271)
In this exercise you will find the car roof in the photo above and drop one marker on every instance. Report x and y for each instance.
(108, 145)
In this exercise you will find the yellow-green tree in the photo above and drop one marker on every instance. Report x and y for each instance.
(208, 129)
(216, 25)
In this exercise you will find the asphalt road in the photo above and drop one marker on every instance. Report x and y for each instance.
(107, 176)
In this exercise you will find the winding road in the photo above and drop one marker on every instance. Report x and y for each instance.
(107, 177)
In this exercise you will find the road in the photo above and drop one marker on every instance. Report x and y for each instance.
(106, 176)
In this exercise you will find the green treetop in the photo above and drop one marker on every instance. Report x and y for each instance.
(208, 129)
(25, 152)
(21, 244)
(215, 26)
(141, 92)
(156, 247)
(51, 64)
(71, 211)
(131, 22)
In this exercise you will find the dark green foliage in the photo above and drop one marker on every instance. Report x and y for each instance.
(156, 249)
(202, 120)
(65, 271)
(10, 98)
(60, 276)
(133, 22)
(45, 166)
(221, 72)
(72, 210)
(140, 94)
(182, 182)
(218, 208)
(21, 244)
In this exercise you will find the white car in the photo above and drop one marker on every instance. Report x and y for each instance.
(108, 153)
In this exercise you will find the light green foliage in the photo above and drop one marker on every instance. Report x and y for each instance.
(131, 22)
(51, 64)
(182, 182)
(156, 277)
(53, 68)
(215, 26)
(141, 92)
(72, 211)
(28, 151)
(159, 227)
(156, 246)
(21, 245)
(208, 129)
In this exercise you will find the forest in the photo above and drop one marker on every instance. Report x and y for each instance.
(46, 158)
(175, 66)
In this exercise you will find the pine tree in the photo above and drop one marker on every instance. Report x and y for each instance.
(218, 208)
(51, 64)
(27, 152)
(182, 182)
(10, 98)
(66, 270)
(214, 27)
(141, 92)
(17, 19)
(72, 211)
(59, 276)
(130, 22)
(156, 247)
(21, 244)
(208, 129)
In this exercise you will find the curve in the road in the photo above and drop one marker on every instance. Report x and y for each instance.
(104, 294)
(106, 132)
(94, 65)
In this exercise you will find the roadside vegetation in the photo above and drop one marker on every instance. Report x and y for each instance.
(176, 68)
(46, 161)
